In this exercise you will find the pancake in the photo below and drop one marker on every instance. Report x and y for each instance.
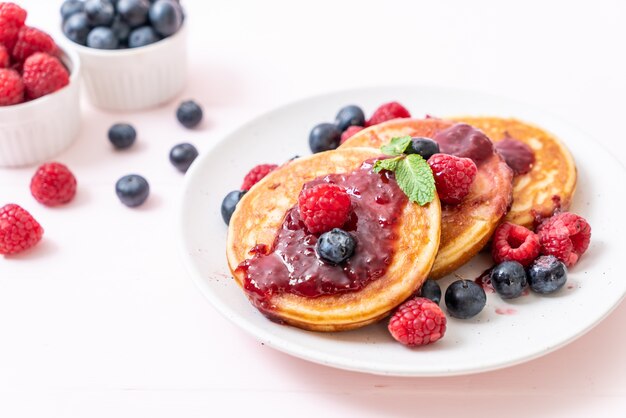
(550, 183)
(467, 227)
(260, 214)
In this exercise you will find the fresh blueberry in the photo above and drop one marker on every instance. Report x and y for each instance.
(189, 114)
(547, 274)
(122, 135)
(69, 7)
(335, 246)
(132, 190)
(508, 279)
(230, 203)
(350, 116)
(120, 28)
(465, 299)
(134, 12)
(431, 290)
(182, 155)
(99, 12)
(324, 137)
(102, 37)
(425, 147)
(77, 27)
(142, 36)
(166, 17)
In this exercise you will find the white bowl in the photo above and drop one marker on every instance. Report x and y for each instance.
(135, 78)
(38, 130)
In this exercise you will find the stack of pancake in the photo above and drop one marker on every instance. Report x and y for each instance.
(433, 240)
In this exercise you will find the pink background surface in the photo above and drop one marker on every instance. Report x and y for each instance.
(101, 319)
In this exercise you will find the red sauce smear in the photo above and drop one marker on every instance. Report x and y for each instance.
(292, 265)
(465, 141)
(518, 155)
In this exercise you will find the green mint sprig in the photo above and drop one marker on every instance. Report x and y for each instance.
(413, 174)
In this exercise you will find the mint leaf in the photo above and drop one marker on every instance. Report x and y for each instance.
(415, 178)
(389, 164)
(397, 146)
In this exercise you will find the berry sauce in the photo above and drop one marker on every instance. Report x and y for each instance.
(516, 154)
(484, 281)
(292, 265)
(463, 140)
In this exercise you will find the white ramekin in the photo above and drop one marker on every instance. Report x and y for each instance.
(135, 78)
(38, 130)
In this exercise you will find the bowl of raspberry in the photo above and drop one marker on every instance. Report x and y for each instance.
(133, 52)
(39, 92)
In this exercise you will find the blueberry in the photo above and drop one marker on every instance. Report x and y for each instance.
(547, 274)
(132, 190)
(425, 147)
(324, 137)
(166, 17)
(230, 203)
(465, 299)
(77, 27)
(431, 290)
(69, 7)
(102, 37)
(99, 12)
(508, 279)
(182, 155)
(134, 12)
(120, 28)
(189, 114)
(349, 116)
(142, 36)
(122, 135)
(335, 246)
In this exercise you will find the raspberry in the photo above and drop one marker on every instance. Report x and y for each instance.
(11, 87)
(565, 236)
(348, 133)
(12, 18)
(43, 74)
(18, 230)
(453, 176)
(387, 112)
(324, 207)
(256, 174)
(5, 58)
(53, 184)
(418, 321)
(30, 41)
(514, 243)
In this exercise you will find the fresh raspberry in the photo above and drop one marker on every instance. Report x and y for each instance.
(11, 87)
(18, 230)
(348, 133)
(388, 111)
(30, 41)
(514, 243)
(12, 19)
(324, 207)
(43, 74)
(53, 184)
(418, 321)
(256, 174)
(453, 176)
(565, 236)
(5, 58)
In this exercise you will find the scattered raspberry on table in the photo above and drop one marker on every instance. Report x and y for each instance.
(19, 231)
(53, 184)
(514, 243)
(565, 236)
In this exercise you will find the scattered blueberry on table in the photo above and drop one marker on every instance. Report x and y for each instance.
(132, 190)
(122, 135)
(189, 114)
(182, 155)
(431, 290)
(465, 299)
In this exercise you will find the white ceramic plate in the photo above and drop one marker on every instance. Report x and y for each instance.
(503, 334)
